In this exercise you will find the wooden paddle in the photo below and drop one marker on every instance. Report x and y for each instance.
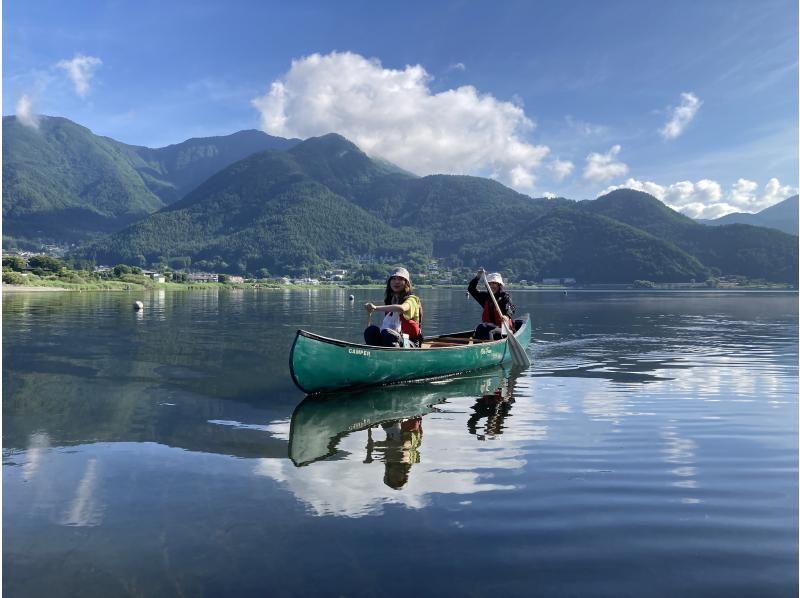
(518, 355)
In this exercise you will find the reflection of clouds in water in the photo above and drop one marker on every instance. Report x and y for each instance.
(345, 488)
(84, 511)
(727, 378)
(605, 405)
(451, 462)
(681, 452)
(38, 443)
(278, 428)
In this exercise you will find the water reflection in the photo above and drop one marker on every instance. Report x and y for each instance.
(399, 450)
(320, 423)
(494, 407)
(344, 436)
(127, 442)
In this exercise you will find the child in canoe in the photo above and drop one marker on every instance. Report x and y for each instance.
(403, 312)
(491, 321)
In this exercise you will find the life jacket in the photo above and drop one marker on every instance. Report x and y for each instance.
(412, 328)
(490, 313)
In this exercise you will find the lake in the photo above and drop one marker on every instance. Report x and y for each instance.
(651, 450)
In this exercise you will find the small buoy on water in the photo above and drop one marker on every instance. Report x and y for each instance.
(352, 297)
(138, 305)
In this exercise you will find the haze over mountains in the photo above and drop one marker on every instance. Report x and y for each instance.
(248, 201)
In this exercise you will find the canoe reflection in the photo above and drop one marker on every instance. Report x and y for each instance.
(392, 417)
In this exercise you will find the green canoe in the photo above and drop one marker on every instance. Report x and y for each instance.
(322, 364)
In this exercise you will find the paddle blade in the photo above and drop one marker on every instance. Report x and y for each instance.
(518, 355)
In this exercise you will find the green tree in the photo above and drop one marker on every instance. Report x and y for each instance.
(45, 263)
(14, 262)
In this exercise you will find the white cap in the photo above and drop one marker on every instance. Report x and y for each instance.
(495, 277)
(402, 273)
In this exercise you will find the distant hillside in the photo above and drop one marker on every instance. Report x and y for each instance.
(172, 171)
(591, 248)
(62, 183)
(739, 249)
(783, 216)
(308, 205)
(262, 212)
(324, 200)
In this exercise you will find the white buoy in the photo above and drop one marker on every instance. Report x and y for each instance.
(352, 297)
(138, 305)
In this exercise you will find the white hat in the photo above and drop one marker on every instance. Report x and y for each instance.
(402, 273)
(495, 277)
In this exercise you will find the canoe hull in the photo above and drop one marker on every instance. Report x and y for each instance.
(320, 364)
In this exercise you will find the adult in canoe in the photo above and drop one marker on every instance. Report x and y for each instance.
(403, 311)
(491, 321)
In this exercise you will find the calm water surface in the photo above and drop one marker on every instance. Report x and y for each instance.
(651, 450)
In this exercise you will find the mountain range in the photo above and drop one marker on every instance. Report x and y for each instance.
(63, 184)
(781, 216)
(248, 202)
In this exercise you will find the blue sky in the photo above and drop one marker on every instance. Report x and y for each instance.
(693, 101)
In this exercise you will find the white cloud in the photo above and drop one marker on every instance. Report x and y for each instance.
(393, 114)
(681, 116)
(561, 169)
(601, 167)
(705, 198)
(25, 113)
(80, 70)
(549, 195)
(458, 66)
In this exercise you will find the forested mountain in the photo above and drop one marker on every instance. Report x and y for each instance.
(172, 171)
(262, 212)
(740, 249)
(565, 242)
(62, 183)
(227, 204)
(324, 200)
(782, 216)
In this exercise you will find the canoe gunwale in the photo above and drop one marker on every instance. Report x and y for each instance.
(341, 343)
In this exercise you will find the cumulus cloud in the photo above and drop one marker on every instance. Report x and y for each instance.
(80, 70)
(561, 169)
(25, 113)
(706, 199)
(602, 167)
(393, 113)
(458, 66)
(681, 116)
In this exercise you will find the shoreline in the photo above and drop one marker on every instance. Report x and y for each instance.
(14, 288)
(8, 288)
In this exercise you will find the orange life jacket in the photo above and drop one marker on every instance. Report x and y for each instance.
(490, 313)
